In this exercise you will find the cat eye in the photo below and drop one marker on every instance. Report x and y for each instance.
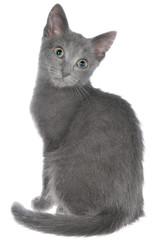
(59, 52)
(82, 63)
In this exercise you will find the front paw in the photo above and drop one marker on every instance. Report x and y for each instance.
(41, 204)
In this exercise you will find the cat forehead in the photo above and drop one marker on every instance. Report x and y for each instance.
(77, 46)
(73, 43)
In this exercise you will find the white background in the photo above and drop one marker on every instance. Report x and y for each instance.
(131, 69)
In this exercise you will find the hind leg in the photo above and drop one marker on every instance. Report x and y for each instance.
(46, 200)
(43, 202)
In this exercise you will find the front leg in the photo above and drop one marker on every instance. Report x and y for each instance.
(45, 201)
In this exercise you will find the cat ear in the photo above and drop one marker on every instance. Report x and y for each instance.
(57, 22)
(102, 43)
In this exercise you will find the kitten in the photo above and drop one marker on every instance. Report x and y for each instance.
(92, 140)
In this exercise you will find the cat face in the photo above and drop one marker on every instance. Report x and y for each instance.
(69, 58)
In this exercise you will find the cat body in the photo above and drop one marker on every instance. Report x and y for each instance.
(92, 140)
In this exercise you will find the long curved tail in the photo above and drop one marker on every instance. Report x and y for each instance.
(104, 223)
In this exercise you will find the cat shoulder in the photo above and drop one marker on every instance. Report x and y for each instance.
(112, 104)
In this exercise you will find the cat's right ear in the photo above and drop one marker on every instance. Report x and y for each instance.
(102, 43)
(57, 22)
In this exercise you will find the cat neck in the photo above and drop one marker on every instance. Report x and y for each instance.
(45, 88)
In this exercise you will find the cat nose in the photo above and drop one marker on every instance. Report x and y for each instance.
(65, 74)
(66, 70)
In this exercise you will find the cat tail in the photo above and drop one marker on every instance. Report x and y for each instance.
(70, 225)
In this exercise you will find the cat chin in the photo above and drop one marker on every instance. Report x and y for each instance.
(62, 83)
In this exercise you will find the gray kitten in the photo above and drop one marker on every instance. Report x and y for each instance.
(92, 141)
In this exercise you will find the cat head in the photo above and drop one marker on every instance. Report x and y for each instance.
(68, 57)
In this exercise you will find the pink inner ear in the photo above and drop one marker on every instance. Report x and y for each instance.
(102, 43)
(56, 22)
(100, 53)
(55, 26)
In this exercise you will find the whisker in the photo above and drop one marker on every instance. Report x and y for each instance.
(77, 91)
(81, 90)
(84, 90)
(76, 88)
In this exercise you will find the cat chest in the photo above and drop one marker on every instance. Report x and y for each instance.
(53, 111)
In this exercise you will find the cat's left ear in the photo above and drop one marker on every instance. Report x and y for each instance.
(57, 23)
(102, 43)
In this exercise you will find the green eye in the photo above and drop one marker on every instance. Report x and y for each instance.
(59, 52)
(82, 63)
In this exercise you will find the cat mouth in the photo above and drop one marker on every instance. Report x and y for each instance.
(63, 81)
(59, 79)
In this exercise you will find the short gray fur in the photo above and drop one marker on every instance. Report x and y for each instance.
(93, 146)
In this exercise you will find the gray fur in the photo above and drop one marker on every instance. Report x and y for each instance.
(92, 141)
